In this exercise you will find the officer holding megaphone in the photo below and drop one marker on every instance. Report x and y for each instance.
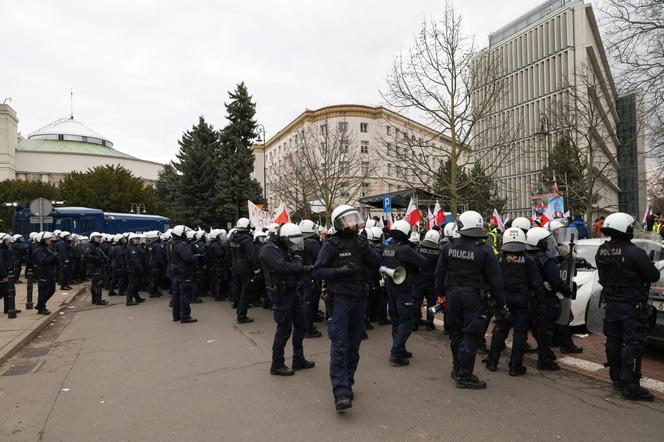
(400, 257)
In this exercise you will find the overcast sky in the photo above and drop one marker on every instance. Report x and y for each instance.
(143, 71)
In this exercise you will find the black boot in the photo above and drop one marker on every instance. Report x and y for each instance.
(517, 370)
(303, 364)
(342, 403)
(634, 392)
(399, 362)
(470, 381)
(547, 365)
(312, 334)
(282, 371)
(491, 364)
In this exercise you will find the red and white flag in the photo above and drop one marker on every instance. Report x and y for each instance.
(438, 214)
(281, 214)
(431, 221)
(543, 219)
(497, 220)
(412, 214)
(646, 214)
(388, 218)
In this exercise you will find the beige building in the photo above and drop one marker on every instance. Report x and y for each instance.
(374, 133)
(544, 54)
(63, 146)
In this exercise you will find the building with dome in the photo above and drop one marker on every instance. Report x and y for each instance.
(64, 146)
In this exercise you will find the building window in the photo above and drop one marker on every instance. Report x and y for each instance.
(365, 189)
(323, 129)
(389, 169)
(343, 146)
(364, 146)
(389, 130)
(365, 168)
(364, 127)
(343, 126)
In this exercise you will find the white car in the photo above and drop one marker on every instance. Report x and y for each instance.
(586, 249)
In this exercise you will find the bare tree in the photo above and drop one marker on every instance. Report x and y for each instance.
(635, 31)
(586, 156)
(322, 165)
(458, 91)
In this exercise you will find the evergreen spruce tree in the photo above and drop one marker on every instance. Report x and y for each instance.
(235, 185)
(197, 175)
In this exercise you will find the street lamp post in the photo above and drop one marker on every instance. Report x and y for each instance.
(263, 139)
(137, 208)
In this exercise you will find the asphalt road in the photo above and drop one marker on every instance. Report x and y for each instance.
(119, 373)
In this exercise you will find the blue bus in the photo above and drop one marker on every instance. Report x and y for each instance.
(83, 221)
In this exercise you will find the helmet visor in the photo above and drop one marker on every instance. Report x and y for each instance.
(350, 220)
(295, 243)
(551, 247)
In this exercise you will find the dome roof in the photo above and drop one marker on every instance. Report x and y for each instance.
(69, 129)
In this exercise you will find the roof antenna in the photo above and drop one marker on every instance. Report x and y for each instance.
(71, 101)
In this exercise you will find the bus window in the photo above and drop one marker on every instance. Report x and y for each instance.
(87, 225)
(68, 224)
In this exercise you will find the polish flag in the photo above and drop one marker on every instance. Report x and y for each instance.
(543, 220)
(281, 214)
(438, 214)
(389, 220)
(497, 220)
(412, 214)
(431, 221)
(646, 214)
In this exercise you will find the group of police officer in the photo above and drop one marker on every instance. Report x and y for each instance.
(367, 274)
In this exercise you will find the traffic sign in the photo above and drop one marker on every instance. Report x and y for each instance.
(40, 220)
(387, 203)
(41, 207)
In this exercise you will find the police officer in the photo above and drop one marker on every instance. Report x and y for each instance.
(464, 270)
(95, 259)
(45, 262)
(625, 272)
(183, 265)
(522, 280)
(245, 266)
(65, 255)
(5, 270)
(543, 249)
(118, 266)
(377, 293)
(156, 262)
(342, 263)
(282, 268)
(401, 253)
(134, 269)
(307, 286)
(424, 286)
(216, 259)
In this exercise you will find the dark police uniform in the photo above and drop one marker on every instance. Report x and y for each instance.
(548, 307)
(625, 272)
(216, 259)
(400, 253)
(245, 263)
(5, 263)
(65, 255)
(465, 268)
(119, 269)
(281, 271)
(94, 257)
(307, 286)
(45, 261)
(424, 286)
(342, 263)
(522, 281)
(156, 263)
(182, 267)
(377, 293)
(134, 271)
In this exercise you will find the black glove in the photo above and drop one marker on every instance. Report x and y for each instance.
(308, 269)
(347, 270)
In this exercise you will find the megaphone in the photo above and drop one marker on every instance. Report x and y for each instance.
(397, 275)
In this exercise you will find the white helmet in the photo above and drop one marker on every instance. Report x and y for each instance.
(347, 218)
(375, 234)
(200, 234)
(522, 223)
(57, 232)
(232, 232)
(214, 233)
(371, 223)
(272, 228)
(222, 234)
(290, 236)
(94, 235)
(471, 223)
(414, 237)
(166, 236)
(43, 236)
(449, 230)
(402, 226)
(153, 234)
(540, 238)
(133, 236)
(180, 231)
(64, 234)
(243, 225)
(307, 227)
(33, 236)
(618, 223)
(5, 237)
(17, 237)
(514, 240)
(259, 234)
(118, 237)
(433, 236)
(553, 225)
(190, 234)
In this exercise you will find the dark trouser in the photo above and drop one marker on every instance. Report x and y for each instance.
(562, 335)
(216, 283)
(401, 313)
(377, 309)
(4, 286)
(96, 285)
(289, 316)
(419, 295)
(45, 289)
(17, 272)
(182, 288)
(548, 311)
(155, 278)
(120, 281)
(626, 333)
(520, 320)
(244, 294)
(65, 275)
(346, 327)
(305, 291)
(466, 318)
(132, 286)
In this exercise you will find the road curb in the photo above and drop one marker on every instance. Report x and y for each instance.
(21, 340)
